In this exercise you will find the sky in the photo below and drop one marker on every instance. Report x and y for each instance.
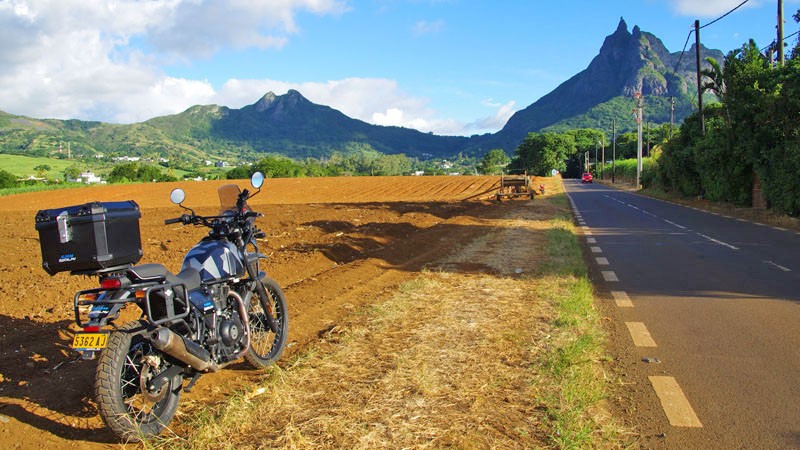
(450, 67)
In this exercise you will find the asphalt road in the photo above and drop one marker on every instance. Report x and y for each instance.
(714, 302)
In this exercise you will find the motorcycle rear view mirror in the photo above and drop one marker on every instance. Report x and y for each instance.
(257, 180)
(177, 196)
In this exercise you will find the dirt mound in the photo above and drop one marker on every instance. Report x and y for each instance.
(335, 244)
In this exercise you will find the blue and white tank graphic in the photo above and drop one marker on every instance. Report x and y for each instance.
(214, 260)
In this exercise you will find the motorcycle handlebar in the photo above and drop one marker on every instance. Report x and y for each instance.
(171, 221)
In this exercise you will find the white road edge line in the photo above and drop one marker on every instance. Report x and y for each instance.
(622, 299)
(676, 406)
(641, 337)
(609, 275)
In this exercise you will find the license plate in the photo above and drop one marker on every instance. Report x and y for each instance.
(90, 341)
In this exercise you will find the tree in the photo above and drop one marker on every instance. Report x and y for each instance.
(72, 172)
(494, 161)
(41, 169)
(123, 173)
(540, 153)
(7, 180)
(392, 165)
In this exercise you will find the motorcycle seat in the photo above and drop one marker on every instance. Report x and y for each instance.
(189, 276)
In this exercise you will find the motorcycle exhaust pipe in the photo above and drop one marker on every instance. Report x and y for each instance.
(183, 350)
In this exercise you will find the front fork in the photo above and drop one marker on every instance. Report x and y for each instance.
(262, 294)
(256, 276)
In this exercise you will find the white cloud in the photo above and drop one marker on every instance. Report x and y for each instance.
(76, 58)
(99, 60)
(424, 27)
(503, 112)
(709, 8)
(374, 100)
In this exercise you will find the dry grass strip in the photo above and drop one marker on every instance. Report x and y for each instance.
(447, 363)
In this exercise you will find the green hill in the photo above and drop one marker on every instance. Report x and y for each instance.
(293, 126)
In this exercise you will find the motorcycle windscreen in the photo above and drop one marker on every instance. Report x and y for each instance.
(228, 194)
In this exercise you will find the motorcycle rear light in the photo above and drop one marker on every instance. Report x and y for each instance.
(87, 297)
(111, 283)
(140, 295)
(91, 328)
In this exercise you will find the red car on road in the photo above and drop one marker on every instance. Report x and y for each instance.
(586, 178)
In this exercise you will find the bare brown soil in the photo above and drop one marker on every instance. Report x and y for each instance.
(335, 244)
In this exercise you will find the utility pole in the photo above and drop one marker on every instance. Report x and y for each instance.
(780, 33)
(586, 163)
(603, 162)
(699, 77)
(638, 113)
(671, 115)
(614, 148)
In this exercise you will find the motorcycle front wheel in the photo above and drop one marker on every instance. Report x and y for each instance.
(124, 367)
(267, 345)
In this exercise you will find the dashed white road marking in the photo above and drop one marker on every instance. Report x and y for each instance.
(725, 244)
(591, 240)
(596, 249)
(641, 337)
(675, 224)
(602, 261)
(609, 275)
(676, 406)
(778, 266)
(622, 299)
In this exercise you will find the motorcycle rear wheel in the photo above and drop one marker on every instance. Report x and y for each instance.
(266, 346)
(130, 413)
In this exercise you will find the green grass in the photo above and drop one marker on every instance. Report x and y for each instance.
(22, 166)
(570, 375)
(39, 187)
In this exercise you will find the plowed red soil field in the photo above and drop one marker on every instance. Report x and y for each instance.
(335, 244)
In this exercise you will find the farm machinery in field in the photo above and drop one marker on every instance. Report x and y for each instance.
(515, 185)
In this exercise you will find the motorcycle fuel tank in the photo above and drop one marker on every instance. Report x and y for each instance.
(214, 260)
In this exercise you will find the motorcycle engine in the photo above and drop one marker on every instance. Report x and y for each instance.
(220, 323)
(231, 330)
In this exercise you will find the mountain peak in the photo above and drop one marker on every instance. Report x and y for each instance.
(279, 103)
(622, 27)
(265, 102)
(628, 62)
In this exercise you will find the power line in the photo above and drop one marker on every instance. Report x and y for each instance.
(723, 16)
(774, 43)
(675, 69)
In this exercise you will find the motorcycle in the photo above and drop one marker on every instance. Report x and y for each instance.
(541, 189)
(218, 309)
